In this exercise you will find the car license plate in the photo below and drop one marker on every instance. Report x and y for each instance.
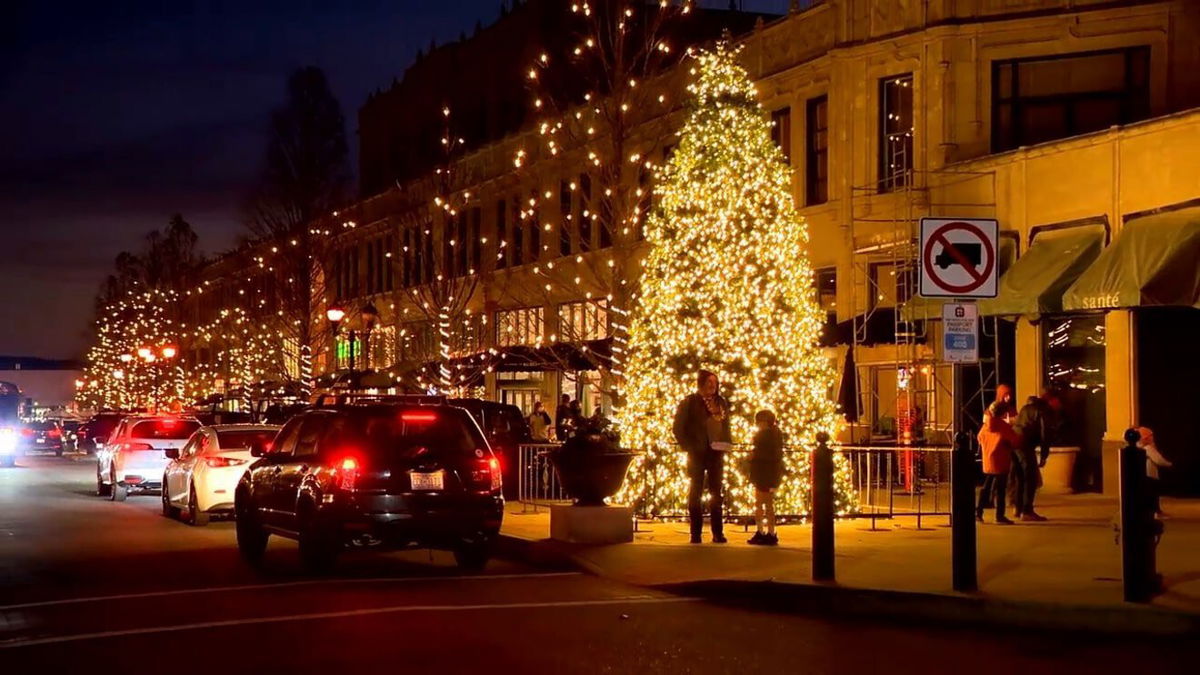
(41, 440)
(426, 481)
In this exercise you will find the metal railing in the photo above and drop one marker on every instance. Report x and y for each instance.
(888, 482)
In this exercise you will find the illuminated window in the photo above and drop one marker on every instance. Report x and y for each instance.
(524, 326)
(781, 131)
(895, 132)
(583, 321)
(825, 285)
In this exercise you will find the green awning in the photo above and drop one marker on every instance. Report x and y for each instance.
(1154, 261)
(918, 308)
(1034, 285)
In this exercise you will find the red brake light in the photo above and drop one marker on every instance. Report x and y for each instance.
(418, 416)
(487, 474)
(26, 431)
(347, 473)
(55, 433)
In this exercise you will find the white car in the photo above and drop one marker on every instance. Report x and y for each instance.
(201, 479)
(134, 456)
(10, 445)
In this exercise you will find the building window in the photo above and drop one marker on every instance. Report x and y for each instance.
(584, 216)
(501, 234)
(781, 131)
(524, 326)
(583, 321)
(891, 284)
(461, 243)
(816, 175)
(565, 193)
(825, 286)
(534, 225)
(517, 251)
(476, 239)
(1047, 98)
(895, 132)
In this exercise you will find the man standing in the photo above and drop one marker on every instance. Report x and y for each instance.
(1034, 424)
(702, 429)
(539, 423)
(562, 418)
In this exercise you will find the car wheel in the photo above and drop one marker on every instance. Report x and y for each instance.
(473, 553)
(319, 544)
(102, 490)
(196, 517)
(168, 510)
(117, 492)
(251, 537)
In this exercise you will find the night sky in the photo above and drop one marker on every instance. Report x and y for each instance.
(116, 115)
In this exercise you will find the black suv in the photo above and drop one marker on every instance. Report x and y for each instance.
(372, 471)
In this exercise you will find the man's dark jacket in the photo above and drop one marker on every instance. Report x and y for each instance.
(689, 426)
(1035, 424)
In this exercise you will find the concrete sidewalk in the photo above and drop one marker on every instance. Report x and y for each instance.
(1070, 562)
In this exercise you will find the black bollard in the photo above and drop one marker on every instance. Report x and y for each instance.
(822, 510)
(1138, 565)
(963, 555)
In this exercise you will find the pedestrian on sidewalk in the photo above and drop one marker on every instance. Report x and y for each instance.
(702, 429)
(997, 441)
(766, 471)
(1154, 460)
(562, 418)
(1034, 424)
(539, 423)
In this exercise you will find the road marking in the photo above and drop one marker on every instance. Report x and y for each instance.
(628, 600)
(285, 584)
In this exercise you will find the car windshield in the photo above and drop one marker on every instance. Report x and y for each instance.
(237, 440)
(165, 429)
(407, 434)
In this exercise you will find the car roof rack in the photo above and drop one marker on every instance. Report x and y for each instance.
(344, 399)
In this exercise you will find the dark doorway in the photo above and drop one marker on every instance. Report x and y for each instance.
(1168, 387)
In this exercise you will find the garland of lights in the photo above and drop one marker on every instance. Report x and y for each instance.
(727, 287)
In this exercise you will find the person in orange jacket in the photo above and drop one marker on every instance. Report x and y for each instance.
(997, 440)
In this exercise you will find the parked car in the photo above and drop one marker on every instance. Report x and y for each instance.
(201, 478)
(42, 436)
(134, 456)
(94, 432)
(10, 445)
(505, 428)
(389, 472)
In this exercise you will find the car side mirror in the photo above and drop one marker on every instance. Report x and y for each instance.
(172, 453)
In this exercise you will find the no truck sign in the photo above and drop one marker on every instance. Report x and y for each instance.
(958, 258)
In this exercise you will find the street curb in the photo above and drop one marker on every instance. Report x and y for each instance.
(830, 600)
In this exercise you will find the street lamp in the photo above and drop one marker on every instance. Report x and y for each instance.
(336, 314)
(169, 352)
(146, 354)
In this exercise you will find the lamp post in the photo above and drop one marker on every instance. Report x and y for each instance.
(335, 314)
(152, 356)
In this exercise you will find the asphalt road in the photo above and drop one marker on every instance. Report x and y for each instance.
(88, 585)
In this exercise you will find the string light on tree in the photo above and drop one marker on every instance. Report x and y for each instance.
(727, 287)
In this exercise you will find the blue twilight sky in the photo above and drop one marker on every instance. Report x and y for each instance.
(117, 114)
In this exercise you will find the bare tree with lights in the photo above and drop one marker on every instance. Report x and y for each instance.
(596, 105)
(305, 177)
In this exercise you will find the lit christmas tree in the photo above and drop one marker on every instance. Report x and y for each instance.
(727, 287)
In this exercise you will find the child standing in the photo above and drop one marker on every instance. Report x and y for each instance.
(766, 471)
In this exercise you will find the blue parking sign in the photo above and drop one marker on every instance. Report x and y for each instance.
(960, 332)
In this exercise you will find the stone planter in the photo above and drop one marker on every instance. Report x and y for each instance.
(1059, 470)
(590, 470)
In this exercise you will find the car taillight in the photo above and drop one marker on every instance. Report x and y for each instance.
(347, 473)
(218, 462)
(26, 432)
(418, 416)
(487, 473)
(55, 433)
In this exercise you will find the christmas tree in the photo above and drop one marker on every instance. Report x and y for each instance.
(726, 286)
